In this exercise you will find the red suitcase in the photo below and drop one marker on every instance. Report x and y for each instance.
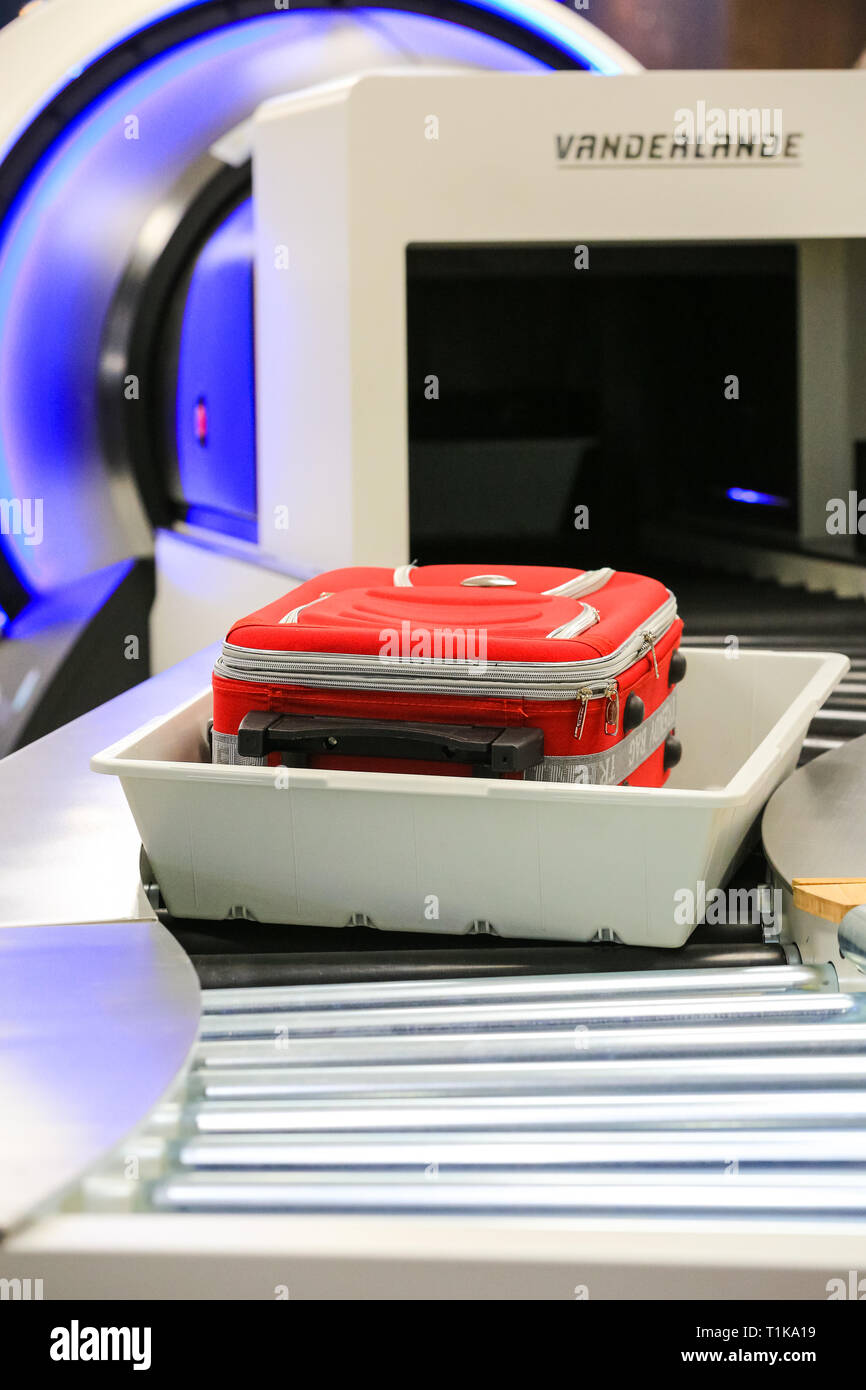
(548, 674)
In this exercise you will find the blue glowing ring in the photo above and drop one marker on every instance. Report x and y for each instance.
(544, 37)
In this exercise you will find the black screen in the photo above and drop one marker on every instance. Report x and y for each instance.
(606, 388)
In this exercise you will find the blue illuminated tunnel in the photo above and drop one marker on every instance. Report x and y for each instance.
(215, 424)
(66, 236)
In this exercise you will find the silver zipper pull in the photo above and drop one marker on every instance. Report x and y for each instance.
(611, 709)
(651, 649)
(584, 695)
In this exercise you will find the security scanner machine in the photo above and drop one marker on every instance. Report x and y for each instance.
(646, 329)
(289, 289)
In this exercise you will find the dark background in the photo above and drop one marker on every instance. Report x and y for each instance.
(626, 417)
(735, 33)
(717, 33)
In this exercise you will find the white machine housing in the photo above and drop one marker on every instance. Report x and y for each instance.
(449, 159)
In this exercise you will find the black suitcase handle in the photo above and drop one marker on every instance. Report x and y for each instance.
(490, 751)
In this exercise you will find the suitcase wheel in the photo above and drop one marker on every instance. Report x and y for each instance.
(633, 713)
(673, 752)
(677, 668)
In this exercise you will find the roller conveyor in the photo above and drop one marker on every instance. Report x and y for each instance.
(699, 1094)
(703, 1091)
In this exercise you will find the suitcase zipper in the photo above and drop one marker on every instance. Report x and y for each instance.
(650, 643)
(561, 680)
(611, 709)
(584, 695)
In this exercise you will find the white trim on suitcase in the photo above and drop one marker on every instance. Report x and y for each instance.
(292, 617)
(586, 583)
(588, 617)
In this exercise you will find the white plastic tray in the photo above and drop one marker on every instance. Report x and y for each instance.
(532, 859)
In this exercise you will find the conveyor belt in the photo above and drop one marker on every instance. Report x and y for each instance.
(739, 1093)
(702, 1091)
(761, 614)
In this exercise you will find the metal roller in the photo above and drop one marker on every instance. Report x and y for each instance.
(587, 1076)
(467, 1114)
(517, 989)
(679, 1195)
(481, 1018)
(728, 1151)
(564, 1045)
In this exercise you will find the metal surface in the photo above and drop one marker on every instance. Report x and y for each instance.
(518, 1079)
(96, 1021)
(561, 1098)
(852, 936)
(637, 1113)
(69, 853)
(486, 1019)
(542, 1151)
(678, 1195)
(664, 1044)
(527, 989)
(814, 826)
